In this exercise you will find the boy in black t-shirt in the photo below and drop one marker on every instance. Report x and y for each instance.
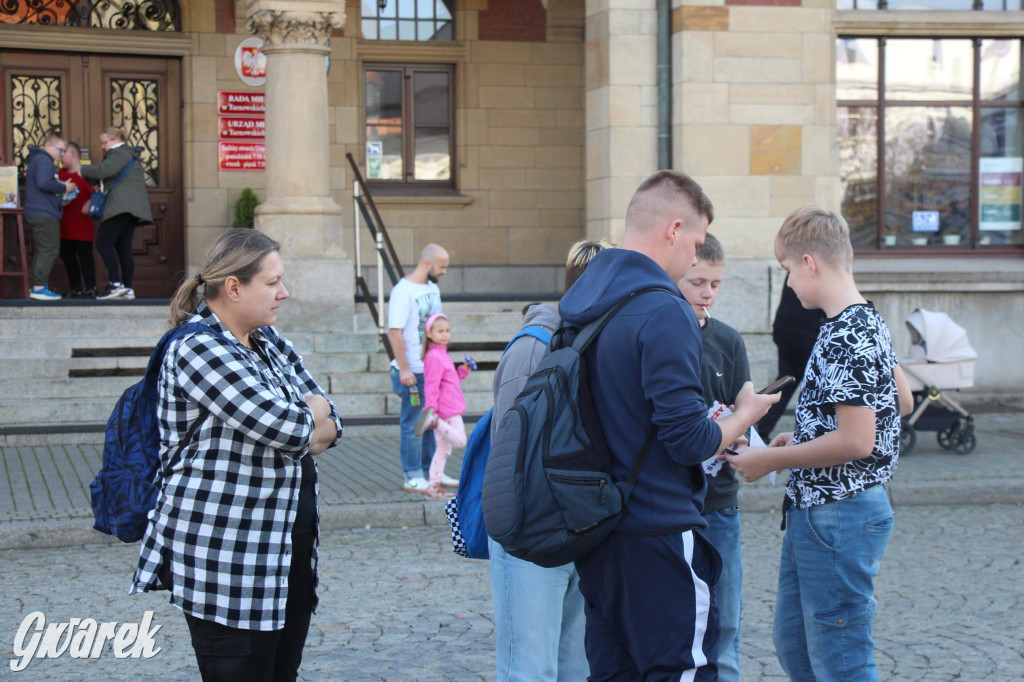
(723, 370)
(846, 444)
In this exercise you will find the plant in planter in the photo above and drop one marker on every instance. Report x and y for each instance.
(245, 209)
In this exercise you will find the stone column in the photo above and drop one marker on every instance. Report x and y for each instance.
(622, 109)
(298, 210)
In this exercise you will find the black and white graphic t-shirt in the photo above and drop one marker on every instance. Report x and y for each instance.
(852, 364)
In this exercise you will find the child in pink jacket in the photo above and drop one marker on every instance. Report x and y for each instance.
(443, 404)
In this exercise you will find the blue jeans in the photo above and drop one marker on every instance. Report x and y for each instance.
(539, 620)
(724, 532)
(825, 604)
(416, 453)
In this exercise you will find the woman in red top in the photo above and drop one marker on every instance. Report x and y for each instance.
(76, 228)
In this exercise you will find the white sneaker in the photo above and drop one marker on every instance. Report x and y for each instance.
(449, 482)
(416, 485)
(112, 291)
(129, 294)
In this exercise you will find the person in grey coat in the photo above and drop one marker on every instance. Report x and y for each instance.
(538, 612)
(127, 207)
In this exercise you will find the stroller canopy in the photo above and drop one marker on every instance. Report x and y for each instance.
(942, 339)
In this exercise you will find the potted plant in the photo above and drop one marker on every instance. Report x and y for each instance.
(245, 209)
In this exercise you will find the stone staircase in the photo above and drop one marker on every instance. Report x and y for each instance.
(64, 366)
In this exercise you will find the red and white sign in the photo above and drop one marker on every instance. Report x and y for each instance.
(250, 62)
(239, 103)
(234, 128)
(242, 156)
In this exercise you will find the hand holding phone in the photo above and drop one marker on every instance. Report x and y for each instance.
(777, 385)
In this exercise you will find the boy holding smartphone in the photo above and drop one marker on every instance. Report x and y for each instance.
(836, 513)
(724, 369)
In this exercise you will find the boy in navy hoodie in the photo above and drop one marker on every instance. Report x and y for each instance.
(845, 448)
(648, 587)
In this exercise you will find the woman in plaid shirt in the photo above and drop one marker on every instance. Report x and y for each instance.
(234, 532)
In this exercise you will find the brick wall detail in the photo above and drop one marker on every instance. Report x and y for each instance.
(225, 10)
(517, 20)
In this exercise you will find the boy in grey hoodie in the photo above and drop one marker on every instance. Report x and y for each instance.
(538, 612)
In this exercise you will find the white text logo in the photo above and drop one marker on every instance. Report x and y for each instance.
(82, 638)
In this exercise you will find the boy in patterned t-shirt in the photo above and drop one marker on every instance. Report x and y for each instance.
(836, 512)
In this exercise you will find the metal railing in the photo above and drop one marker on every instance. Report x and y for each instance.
(387, 260)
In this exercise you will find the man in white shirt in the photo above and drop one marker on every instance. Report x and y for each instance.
(414, 299)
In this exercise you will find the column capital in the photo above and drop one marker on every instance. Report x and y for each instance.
(295, 22)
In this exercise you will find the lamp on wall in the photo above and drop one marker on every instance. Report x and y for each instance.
(381, 4)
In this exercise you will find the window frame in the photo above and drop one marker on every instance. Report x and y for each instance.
(409, 184)
(880, 104)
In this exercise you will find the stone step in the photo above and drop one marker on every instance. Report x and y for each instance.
(105, 389)
(72, 328)
(56, 411)
(380, 382)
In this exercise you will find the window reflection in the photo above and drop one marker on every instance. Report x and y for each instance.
(929, 69)
(928, 169)
(856, 68)
(384, 120)
(413, 20)
(1000, 69)
(858, 172)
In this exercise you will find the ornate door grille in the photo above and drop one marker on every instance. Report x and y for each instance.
(35, 110)
(143, 15)
(134, 107)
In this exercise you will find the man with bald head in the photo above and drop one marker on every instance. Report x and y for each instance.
(648, 588)
(414, 299)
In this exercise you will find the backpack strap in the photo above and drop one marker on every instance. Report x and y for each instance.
(120, 176)
(641, 459)
(536, 331)
(592, 329)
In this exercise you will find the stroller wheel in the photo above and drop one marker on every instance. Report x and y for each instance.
(908, 439)
(948, 437)
(965, 441)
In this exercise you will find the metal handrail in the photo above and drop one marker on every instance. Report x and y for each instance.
(387, 258)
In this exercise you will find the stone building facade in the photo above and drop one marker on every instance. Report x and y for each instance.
(552, 119)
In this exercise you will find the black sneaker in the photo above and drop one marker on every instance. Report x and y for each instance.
(76, 293)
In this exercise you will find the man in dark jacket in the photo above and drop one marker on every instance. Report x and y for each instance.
(127, 206)
(648, 588)
(43, 200)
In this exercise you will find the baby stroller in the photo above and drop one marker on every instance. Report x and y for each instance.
(940, 358)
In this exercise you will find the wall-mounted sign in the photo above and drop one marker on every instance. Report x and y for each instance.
(1000, 193)
(241, 103)
(250, 62)
(374, 156)
(925, 221)
(242, 156)
(238, 128)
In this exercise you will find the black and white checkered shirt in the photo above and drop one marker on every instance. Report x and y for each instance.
(227, 502)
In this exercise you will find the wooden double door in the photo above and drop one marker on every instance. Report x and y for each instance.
(81, 94)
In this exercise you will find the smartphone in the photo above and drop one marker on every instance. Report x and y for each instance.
(777, 385)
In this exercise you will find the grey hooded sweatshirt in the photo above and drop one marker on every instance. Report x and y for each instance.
(518, 363)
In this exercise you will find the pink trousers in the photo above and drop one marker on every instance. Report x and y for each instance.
(448, 433)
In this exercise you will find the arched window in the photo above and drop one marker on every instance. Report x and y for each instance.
(141, 15)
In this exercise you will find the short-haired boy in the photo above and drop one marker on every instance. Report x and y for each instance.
(836, 514)
(723, 370)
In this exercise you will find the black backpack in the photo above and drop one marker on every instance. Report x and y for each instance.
(125, 491)
(548, 494)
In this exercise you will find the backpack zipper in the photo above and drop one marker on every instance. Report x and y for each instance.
(576, 480)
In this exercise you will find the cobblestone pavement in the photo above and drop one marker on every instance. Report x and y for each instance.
(397, 605)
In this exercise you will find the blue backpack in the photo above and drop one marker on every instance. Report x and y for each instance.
(464, 512)
(124, 491)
